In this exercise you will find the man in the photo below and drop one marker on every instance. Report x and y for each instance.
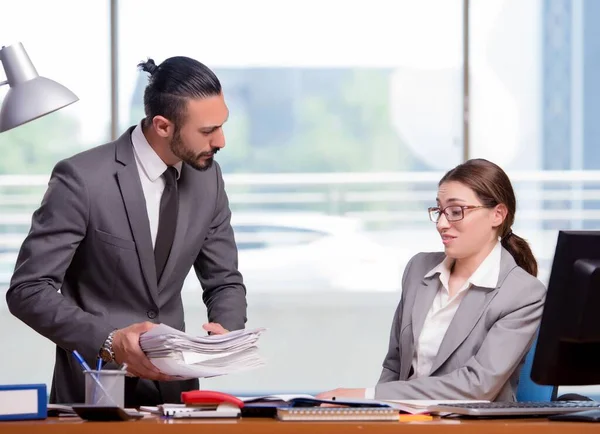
(118, 230)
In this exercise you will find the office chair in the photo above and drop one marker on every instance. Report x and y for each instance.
(527, 390)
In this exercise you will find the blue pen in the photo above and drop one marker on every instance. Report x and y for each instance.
(86, 367)
(81, 361)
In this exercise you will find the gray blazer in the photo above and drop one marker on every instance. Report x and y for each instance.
(484, 348)
(90, 240)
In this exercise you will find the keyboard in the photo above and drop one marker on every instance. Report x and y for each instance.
(499, 409)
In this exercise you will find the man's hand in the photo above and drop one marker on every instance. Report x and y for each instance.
(215, 328)
(339, 394)
(126, 346)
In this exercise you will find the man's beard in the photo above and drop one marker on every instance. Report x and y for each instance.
(188, 156)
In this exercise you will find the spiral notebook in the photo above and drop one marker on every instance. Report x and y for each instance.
(337, 413)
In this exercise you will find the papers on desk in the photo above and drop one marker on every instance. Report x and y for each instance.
(181, 411)
(61, 410)
(310, 408)
(422, 406)
(410, 406)
(272, 399)
(185, 356)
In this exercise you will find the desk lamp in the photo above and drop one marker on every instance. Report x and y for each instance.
(30, 96)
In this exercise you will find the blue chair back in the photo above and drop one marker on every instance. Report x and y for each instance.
(527, 390)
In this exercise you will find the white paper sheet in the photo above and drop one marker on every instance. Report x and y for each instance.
(182, 355)
(418, 406)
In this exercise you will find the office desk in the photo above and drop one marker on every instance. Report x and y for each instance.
(267, 426)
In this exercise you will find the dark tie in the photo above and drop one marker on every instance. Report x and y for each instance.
(167, 221)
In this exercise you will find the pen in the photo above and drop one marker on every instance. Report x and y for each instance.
(82, 362)
(86, 367)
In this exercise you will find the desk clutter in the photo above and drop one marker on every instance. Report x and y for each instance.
(212, 404)
(207, 404)
(22, 402)
(185, 356)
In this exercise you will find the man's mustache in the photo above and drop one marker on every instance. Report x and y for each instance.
(208, 154)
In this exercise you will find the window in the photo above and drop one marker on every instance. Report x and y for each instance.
(360, 87)
(534, 109)
(341, 125)
(67, 41)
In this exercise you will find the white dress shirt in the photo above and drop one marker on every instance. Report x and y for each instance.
(444, 308)
(150, 168)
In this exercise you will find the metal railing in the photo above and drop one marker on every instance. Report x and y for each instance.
(399, 197)
(385, 202)
(572, 181)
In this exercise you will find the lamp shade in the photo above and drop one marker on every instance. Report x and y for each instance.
(30, 96)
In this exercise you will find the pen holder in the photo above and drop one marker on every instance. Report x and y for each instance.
(113, 383)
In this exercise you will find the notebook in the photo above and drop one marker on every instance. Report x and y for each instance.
(337, 414)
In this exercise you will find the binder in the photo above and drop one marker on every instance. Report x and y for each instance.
(23, 401)
(338, 414)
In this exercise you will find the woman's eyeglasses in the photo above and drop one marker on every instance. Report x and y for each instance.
(453, 213)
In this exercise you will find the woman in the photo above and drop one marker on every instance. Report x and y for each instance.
(467, 317)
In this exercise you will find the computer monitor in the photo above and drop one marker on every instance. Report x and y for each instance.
(568, 346)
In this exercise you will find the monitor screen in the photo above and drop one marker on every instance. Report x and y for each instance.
(568, 347)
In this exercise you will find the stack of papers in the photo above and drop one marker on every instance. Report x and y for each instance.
(184, 356)
(422, 406)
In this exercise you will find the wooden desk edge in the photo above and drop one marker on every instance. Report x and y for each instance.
(157, 425)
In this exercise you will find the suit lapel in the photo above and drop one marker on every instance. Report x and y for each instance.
(423, 301)
(468, 313)
(186, 200)
(135, 205)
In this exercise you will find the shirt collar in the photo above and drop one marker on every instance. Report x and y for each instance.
(151, 163)
(486, 275)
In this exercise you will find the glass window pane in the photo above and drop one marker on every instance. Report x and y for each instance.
(535, 106)
(534, 110)
(67, 41)
(350, 112)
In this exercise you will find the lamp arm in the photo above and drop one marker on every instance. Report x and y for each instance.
(2, 83)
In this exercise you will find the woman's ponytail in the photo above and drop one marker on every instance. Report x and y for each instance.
(521, 252)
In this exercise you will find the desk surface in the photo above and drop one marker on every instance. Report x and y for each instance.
(266, 426)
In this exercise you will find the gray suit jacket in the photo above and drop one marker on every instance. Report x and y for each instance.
(90, 240)
(481, 353)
